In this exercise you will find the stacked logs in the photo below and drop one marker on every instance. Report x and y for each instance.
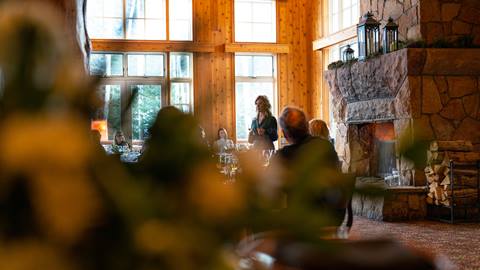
(465, 173)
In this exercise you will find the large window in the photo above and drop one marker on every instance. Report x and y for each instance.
(255, 21)
(140, 19)
(254, 76)
(342, 14)
(181, 81)
(135, 87)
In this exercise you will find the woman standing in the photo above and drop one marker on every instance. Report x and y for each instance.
(263, 131)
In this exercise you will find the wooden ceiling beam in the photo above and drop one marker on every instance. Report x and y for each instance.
(151, 46)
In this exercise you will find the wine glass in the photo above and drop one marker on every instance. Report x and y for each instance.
(267, 154)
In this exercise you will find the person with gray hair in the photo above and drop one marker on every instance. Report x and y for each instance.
(310, 163)
(294, 125)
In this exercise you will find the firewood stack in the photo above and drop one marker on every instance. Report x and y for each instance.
(465, 174)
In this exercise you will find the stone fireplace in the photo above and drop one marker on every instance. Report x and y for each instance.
(407, 95)
(410, 94)
(373, 145)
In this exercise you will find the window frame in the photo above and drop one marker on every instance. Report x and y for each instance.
(124, 24)
(276, 26)
(126, 82)
(340, 14)
(188, 80)
(258, 79)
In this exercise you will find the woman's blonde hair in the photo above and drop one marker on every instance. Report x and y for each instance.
(117, 134)
(266, 106)
(318, 128)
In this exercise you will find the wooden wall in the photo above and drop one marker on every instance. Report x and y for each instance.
(213, 76)
(298, 72)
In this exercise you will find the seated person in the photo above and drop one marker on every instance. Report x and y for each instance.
(120, 144)
(223, 143)
(97, 141)
(310, 163)
(318, 128)
(203, 136)
(293, 123)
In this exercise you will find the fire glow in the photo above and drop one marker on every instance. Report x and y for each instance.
(101, 126)
(384, 131)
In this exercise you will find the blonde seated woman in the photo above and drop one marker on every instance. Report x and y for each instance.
(223, 143)
(120, 144)
(318, 128)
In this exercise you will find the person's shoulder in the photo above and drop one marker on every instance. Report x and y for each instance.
(318, 139)
(320, 143)
(317, 142)
(285, 151)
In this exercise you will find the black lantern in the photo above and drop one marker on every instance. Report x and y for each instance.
(368, 31)
(348, 54)
(390, 36)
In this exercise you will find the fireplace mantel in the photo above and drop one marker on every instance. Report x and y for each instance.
(384, 83)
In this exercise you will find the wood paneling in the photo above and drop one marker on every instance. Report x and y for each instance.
(317, 103)
(213, 81)
(257, 47)
(320, 95)
(150, 46)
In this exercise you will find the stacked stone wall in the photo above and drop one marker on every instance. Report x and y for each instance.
(429, 19)
(405, 13)
(450, 19)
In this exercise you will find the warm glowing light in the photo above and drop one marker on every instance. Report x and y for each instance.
(101, 126)
(384, 131)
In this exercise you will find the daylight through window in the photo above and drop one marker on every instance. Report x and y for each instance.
(255, 21)
(139, 19)
(254, 76)
(142, 78)
(342, 14)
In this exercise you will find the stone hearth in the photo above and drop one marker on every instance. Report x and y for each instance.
(398, 203)
(428, 94)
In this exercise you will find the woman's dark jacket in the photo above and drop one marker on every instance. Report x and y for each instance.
(269, 124)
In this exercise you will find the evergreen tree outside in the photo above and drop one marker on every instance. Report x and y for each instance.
(145, 106)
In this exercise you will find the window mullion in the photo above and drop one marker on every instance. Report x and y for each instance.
(167, 19)
(167, 67)
(340, 15)
(124, 19)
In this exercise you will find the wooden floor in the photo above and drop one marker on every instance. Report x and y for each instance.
(457, 245)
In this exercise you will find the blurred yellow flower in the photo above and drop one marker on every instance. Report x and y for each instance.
(30, 255)
(40, 22)
(155, 237)
(66, 204)
(44, 143)
(53, 153)
(213, 198)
